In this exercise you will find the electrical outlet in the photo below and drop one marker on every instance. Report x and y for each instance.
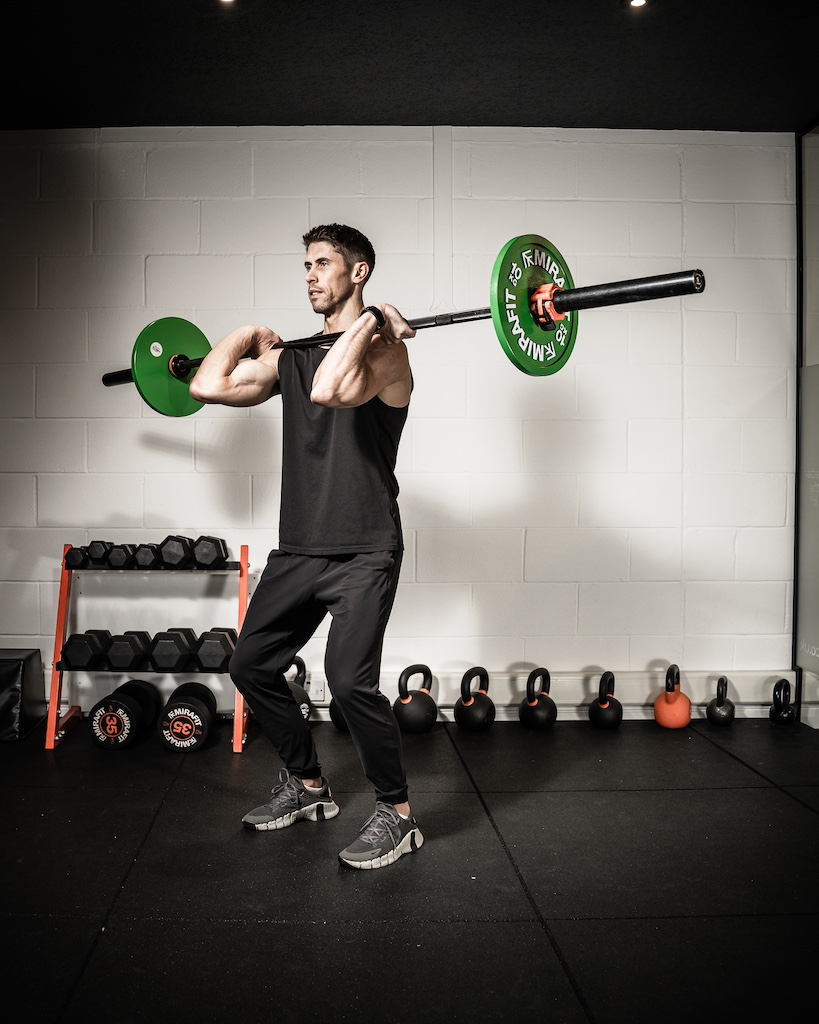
(315, 688)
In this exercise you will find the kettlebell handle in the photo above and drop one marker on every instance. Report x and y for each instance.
(672, 678)
(606, 689)
(403, 681)
(546, 682)
(301, 672)
(722, 690)
(469, 675)
(782, 694)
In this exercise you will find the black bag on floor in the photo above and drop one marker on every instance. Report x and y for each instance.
(22, 695)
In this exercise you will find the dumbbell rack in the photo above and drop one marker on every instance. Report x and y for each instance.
(59, 725)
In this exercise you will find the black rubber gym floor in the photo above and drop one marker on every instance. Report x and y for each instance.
(575, 875)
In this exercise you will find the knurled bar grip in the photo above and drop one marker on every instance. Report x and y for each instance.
(640, 289)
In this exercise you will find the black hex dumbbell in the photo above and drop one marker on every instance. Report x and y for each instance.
(214, 649)
(119, 718)
(121, 556)
(86, 652)
(76, 558)
(176, 552)
(172, 650)
(190, 637)
(98, 553)
(187, 719)
(210, 553)
(147, 556)
(129, 651)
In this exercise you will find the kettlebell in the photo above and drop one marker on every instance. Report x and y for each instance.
(415, 710)
(606, 712)
(297, 689)
(538, 710)
(474, 712)
(782, 711)
(720, 710)
(672, 709)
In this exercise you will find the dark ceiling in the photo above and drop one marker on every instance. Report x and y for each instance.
(723, 65)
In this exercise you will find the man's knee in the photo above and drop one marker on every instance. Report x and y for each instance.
(240, 666)
(253, 670)
(347, 690)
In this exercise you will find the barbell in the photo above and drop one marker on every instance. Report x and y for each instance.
(533, 308)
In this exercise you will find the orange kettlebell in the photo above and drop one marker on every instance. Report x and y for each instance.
(672, 709)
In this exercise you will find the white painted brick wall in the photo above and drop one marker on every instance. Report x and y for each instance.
(250, 225)
(641, 172)
(21, 604)
(476, 555)
(18, 499)
(93, 500)
(80, 282)
(147, 226)
(307, 168)
(50, 336)
(576, 555)
(201, 170)
(635, 509)
(199, 280)
(18, 281)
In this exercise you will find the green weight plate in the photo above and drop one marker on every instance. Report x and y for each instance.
(156, 345)
(524, 264)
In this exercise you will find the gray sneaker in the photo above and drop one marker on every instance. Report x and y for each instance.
(384, 837)
(290, 801)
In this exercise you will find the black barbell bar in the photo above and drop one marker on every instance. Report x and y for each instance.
(180, 366)
(661, 286)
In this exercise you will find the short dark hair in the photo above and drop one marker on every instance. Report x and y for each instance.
(350, 242)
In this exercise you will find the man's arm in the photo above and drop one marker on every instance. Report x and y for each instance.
(223, 380)
(365, 362)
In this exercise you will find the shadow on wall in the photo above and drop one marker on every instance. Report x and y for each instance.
(233, 447)
(519, 611)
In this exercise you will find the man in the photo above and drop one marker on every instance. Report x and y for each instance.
(340, 545)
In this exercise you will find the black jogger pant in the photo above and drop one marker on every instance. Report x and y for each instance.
(294, 594)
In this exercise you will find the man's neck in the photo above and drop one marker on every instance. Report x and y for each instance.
(340, 319)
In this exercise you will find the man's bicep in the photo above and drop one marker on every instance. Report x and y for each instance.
(257, 374)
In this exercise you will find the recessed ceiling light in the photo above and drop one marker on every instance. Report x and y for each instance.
(636, 4)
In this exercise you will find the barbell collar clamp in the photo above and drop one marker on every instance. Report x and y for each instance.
(180, 366)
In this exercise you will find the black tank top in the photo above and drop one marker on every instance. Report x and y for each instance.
(339, 492)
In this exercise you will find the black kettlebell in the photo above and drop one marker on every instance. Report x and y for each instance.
(782, 711)
(474, 712)
(301, 695)
(720, 710)
(415, 710)
(606, 712)
(537, 710)
(337, 717)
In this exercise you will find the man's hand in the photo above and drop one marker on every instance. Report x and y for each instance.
(395, 328)
(262, 341)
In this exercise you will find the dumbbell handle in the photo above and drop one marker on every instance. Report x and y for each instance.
(615, 293)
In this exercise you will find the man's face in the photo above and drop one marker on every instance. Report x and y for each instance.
(330, 282)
